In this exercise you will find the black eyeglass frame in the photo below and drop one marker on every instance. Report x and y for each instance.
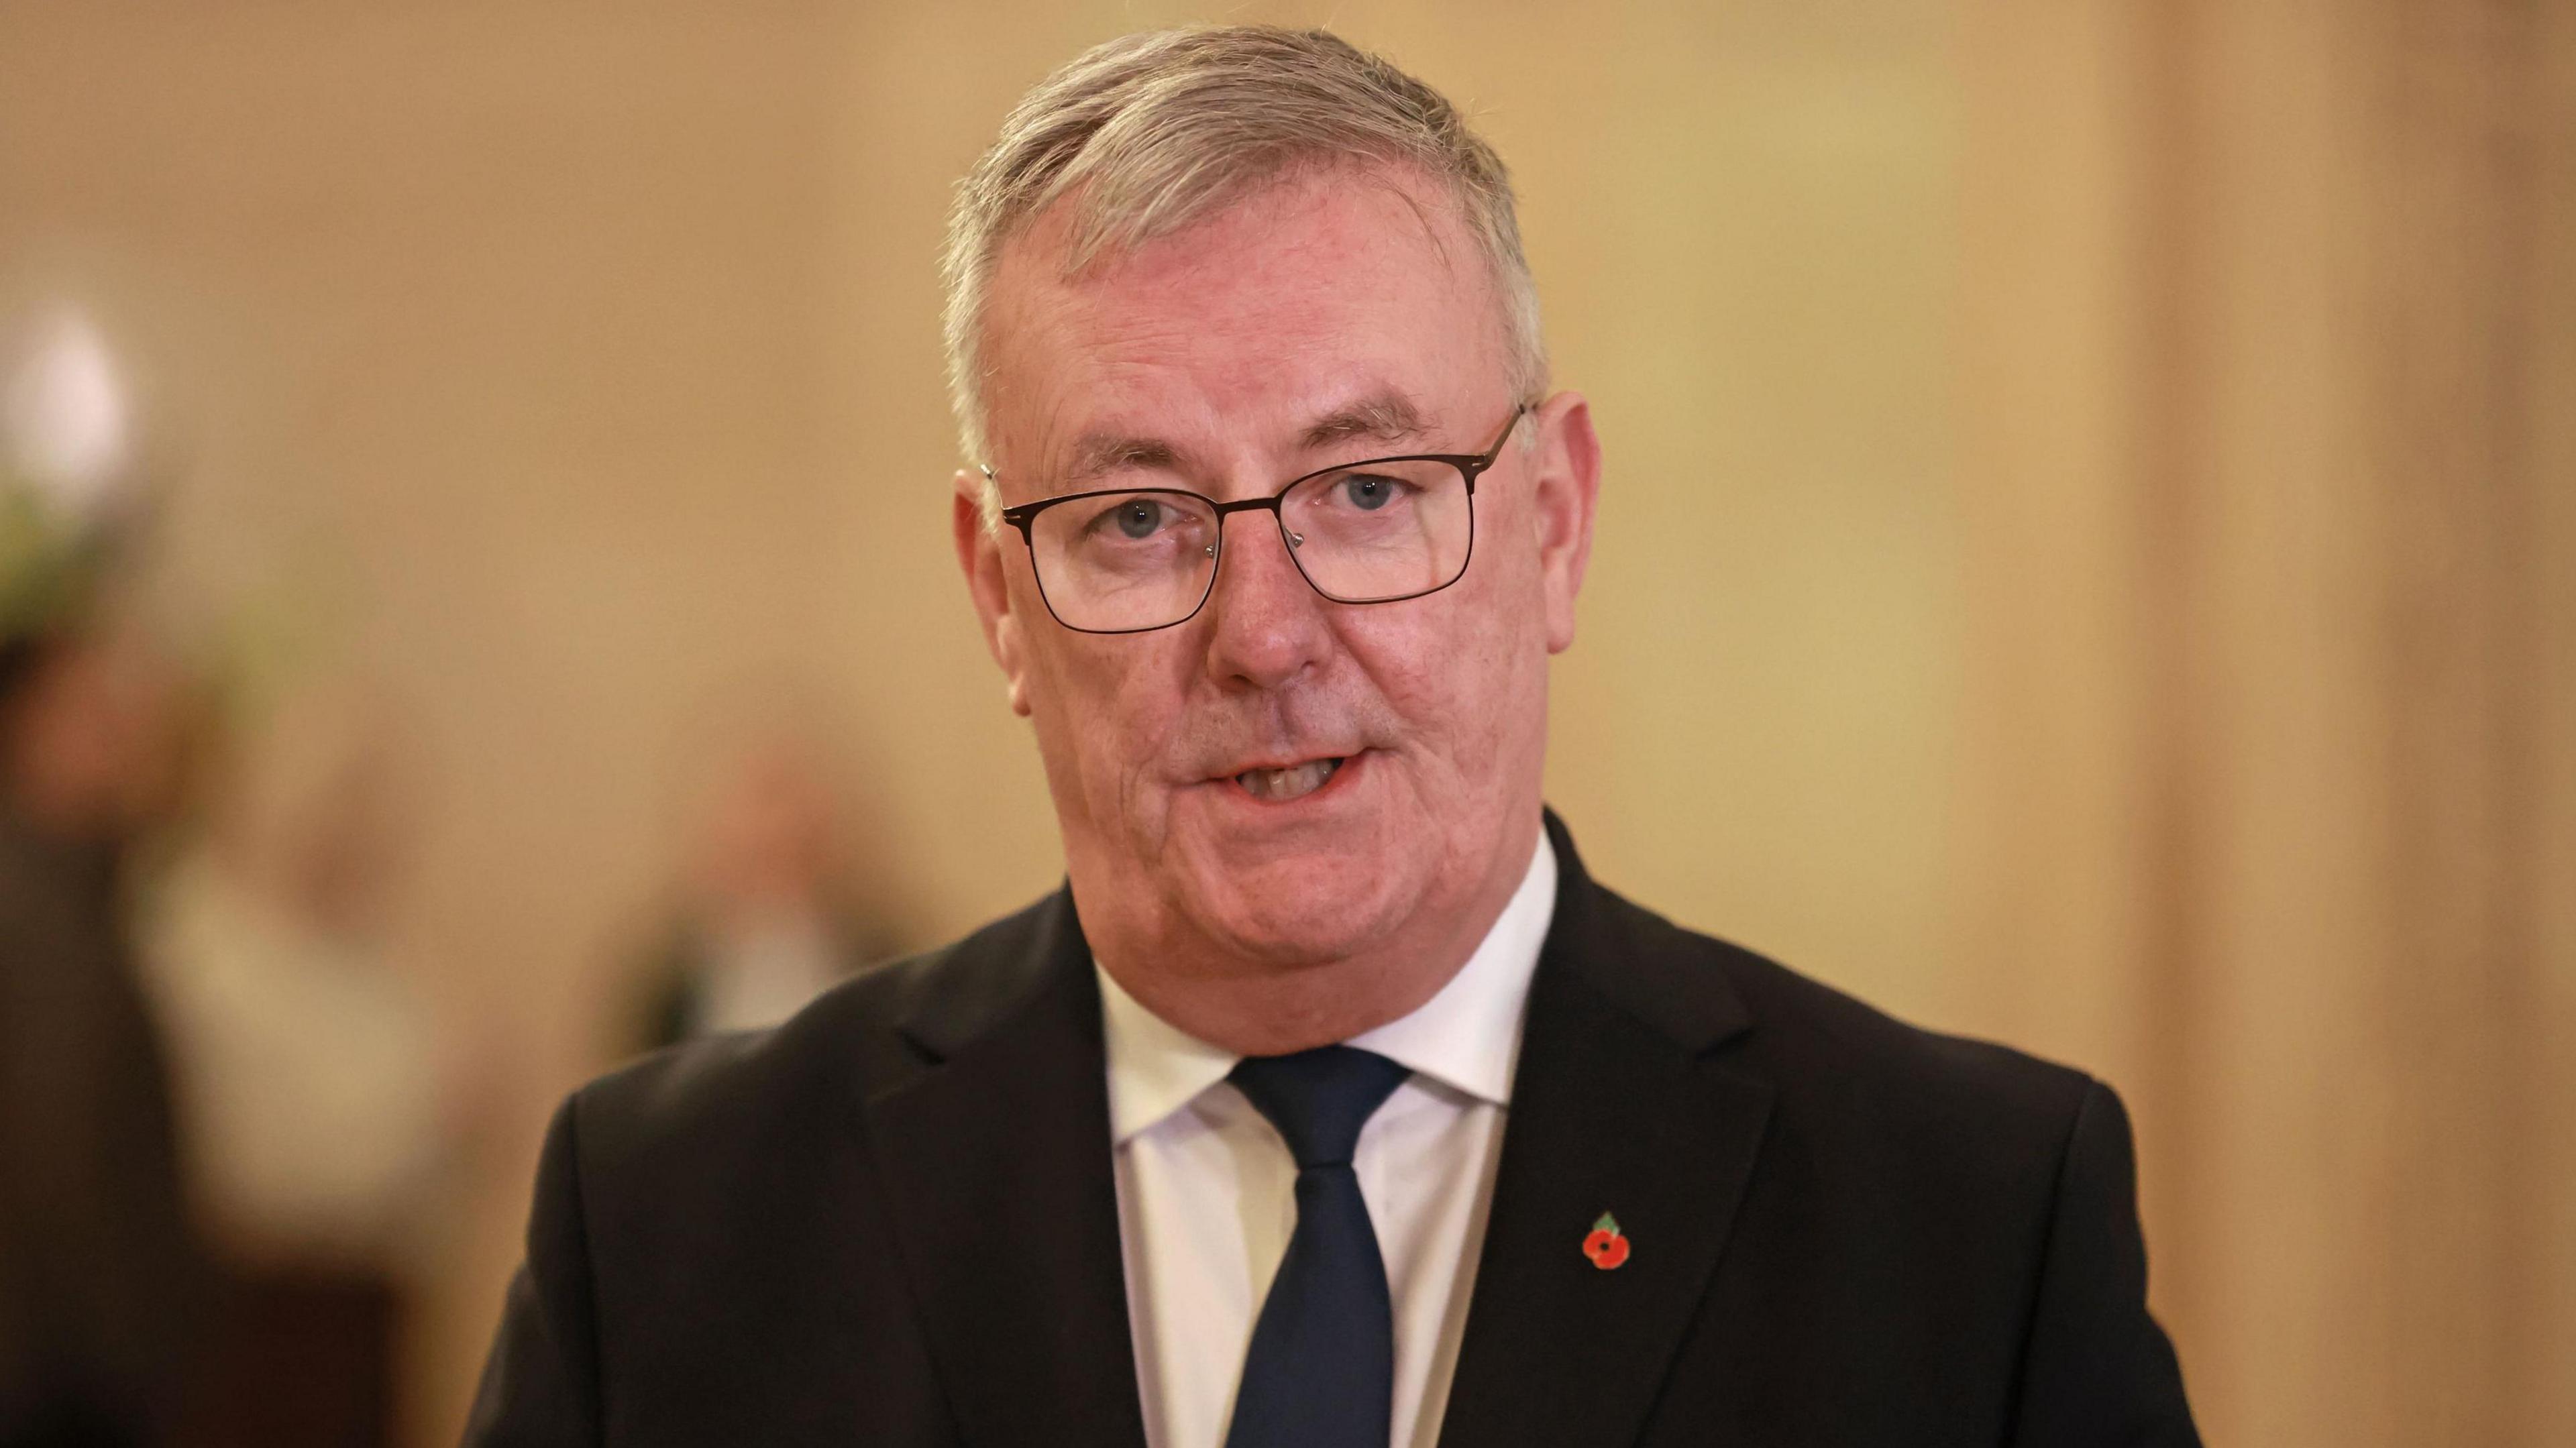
(1469, 466)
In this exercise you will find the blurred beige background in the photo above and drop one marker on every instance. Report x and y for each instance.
(2088, 557)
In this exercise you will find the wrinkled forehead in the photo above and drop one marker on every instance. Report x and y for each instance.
(1230, 336)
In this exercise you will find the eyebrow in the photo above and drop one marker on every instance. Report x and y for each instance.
(1385, 417)
(1098, 456)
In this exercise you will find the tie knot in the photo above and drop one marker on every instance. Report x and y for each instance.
(1319, 1099)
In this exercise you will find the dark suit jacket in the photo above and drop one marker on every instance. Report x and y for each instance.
(99, 1274)
(892, 1221)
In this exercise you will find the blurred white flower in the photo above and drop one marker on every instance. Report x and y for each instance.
(65, 418)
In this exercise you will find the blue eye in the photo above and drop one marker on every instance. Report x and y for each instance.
(1139, 517)
(1369, 492)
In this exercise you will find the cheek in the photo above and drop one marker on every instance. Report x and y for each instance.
(1475, 682)
(1456, 681)
(1104, 710)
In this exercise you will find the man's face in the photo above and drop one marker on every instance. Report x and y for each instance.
(1330, 319)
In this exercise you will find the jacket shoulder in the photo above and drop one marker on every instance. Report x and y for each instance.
(1853, 1036)
(693, 1105)
(1841, 1056)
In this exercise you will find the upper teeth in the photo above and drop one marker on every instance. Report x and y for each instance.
(1289, 783)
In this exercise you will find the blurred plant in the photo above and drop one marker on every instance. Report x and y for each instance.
(65, 485)
(46, 567)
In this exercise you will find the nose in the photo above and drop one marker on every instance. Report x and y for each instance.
(1266, 626)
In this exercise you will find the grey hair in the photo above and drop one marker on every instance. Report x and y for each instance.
(1150, 132)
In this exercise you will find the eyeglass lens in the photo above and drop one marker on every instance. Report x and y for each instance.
(1373, 532)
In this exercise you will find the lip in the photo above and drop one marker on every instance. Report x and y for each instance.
(1352, 765)
(1225, 773)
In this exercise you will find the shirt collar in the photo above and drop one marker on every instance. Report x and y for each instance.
(1467, 1037)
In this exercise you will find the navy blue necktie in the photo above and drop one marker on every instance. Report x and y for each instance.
(1321, 1369)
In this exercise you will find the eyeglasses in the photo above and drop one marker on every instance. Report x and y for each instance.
(1128, 560)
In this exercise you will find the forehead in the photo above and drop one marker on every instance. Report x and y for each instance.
(1235, 332)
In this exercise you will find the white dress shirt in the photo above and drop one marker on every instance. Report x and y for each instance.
(1207, 1190)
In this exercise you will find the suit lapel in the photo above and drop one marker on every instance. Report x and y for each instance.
(999, 1156)
(1622, 1103)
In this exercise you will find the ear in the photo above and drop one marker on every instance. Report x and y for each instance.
(979, 554)
(1565, 484)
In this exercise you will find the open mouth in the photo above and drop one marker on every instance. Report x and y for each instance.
(1278, 786)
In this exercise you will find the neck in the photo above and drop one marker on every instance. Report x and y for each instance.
(1262, 1008)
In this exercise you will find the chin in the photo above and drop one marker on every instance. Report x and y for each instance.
(1301, 909)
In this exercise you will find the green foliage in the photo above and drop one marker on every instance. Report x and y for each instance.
(47, 565)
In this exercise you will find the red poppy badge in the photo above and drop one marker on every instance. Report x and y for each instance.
(1605, 1246)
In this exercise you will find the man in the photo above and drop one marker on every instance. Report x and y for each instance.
(100, 1273)
(1331, 1103)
